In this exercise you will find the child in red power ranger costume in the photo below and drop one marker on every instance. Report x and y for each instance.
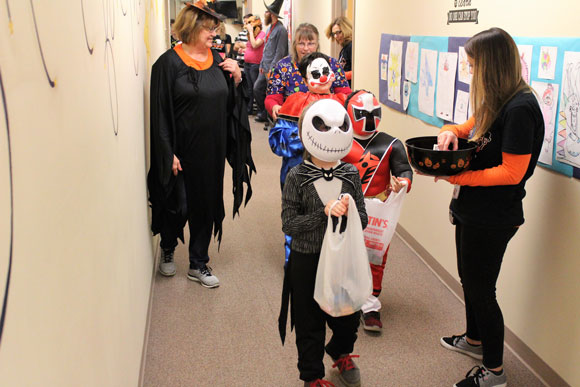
(383, 166)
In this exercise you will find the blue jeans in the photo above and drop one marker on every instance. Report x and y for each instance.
(251, 70)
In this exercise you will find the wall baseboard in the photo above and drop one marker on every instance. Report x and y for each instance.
(156, 254)
(534, 363)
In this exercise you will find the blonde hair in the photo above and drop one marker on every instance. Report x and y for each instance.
(345, 26)
(190, 21)
(497, 76)
(304, 31)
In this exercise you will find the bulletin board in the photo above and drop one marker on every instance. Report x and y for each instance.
(427, 77)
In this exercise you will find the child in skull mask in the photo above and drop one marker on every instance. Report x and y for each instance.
(283, 137)
(310, 191)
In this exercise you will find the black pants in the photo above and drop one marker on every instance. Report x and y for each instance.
(310, 321)
(260, 93)
(479, 256)
(199, 233)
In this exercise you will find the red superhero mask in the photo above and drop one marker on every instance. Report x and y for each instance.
(365, 113)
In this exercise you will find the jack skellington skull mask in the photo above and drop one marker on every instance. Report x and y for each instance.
(326, 130)
(365, 112)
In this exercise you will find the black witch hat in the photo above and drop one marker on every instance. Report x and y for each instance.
(275, 7)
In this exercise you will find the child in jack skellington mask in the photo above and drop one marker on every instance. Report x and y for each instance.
(383, 167)
(310, 190)
(283, 137)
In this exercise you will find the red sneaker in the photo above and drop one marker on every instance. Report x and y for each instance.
(371, 321)
(318, 383)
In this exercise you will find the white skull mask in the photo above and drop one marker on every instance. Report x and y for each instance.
(319, 72)
(326, 130)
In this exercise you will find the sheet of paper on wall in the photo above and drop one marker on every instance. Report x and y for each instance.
(394, 72)
(568, 132)
(463, 72)
(526, 61)
(547, 62)
(384, 66)
(446, 85)
(461, 107)
(427, 78)
(406, 94)
(547, 94)
(411, 61)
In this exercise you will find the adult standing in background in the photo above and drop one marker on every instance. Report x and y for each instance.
(198, 118)
(240, 43)
(486, 209)
(286, 78)
(340, 30)
(222, 42)
(275, 48)
(253, 55)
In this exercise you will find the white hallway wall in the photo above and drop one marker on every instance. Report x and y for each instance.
(81, 246)
(538, 287)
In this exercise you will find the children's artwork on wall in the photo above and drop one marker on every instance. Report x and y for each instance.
(542, 58)
(390, 90)
(394, 72)
(461, 107)
(547, 62)
(446, 84)
(548, 99)
(568, 140)
(427, 78)
(463, 70)
(526, 60)
(411, 61)
(384, 66)
(406, 94)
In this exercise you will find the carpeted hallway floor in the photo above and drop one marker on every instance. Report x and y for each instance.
(228, 336)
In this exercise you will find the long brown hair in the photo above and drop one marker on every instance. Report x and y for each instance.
(497, 75)
(345, 26)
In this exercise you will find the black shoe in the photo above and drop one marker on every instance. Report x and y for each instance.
(260, 117)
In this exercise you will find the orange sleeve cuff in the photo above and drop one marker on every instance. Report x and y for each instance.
(461, 130)
(510, 172)
(348, 75)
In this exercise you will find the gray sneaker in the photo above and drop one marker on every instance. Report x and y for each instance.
(348, 371)
(166, 264)
(482, 377)
(460, 344)
(204, 277)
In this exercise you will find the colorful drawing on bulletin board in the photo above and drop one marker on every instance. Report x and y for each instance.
(462, 80)
(463, 68)
(394, 75)
(461, 112)
(547, 62)
(434, 44)
(411, 61)
(385, 80)
(562, 45)
(568, 138)
(446, 72)
(526, 60)
(384, 66)
(427, 79)
(548, 98)
(406, 94)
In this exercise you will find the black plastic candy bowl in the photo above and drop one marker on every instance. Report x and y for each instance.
(439, 162)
